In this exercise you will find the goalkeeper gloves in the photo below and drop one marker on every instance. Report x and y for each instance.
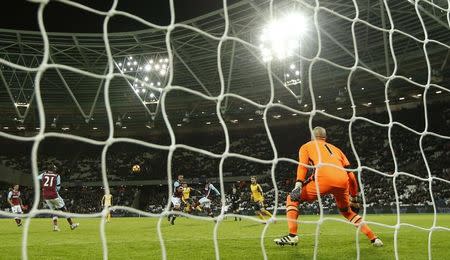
(295, 193)
(355, 203)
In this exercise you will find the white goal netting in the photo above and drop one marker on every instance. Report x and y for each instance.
(299, 85)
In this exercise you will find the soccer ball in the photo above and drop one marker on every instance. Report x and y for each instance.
(136, 168)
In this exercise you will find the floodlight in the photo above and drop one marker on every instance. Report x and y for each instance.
(280, 38)
(147, 67)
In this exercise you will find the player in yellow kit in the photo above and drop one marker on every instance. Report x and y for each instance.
(186, 197)
(106, 203)
(257, 198)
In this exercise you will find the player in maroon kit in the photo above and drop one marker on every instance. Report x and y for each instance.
(176, 203)
(16, 203)
(51, 184)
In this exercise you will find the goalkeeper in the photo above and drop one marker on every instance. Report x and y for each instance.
(331, 180)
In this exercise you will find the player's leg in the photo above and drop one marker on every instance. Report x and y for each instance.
(17, 210)
(292, 213)
(51, 206)
(176, 206)
(308, 194)
(342, 198)
(108, 214)
(60, 205)
(263, 209)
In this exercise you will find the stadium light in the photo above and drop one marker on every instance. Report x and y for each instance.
(319, 96)
(280, 38)
(152, 95)
(94, 128)
(147, 67)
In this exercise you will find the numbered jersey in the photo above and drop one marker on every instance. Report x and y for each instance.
(49, 182)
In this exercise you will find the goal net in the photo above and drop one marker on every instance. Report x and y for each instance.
(358, 68)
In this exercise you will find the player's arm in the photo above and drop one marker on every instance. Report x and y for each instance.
(103, 200)
(303, 159)
(214, 189)
(260, 190)
(58, 182)
(353, 184)
(9, 198)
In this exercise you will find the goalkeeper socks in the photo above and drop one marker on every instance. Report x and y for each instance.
(356, 219)
(292, 215)
(292, 221)
(368, 232)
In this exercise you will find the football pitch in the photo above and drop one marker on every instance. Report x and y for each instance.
(136, 238)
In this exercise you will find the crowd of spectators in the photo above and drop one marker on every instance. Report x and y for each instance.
(390, 156)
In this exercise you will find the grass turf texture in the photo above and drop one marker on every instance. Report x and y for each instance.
(136, 238)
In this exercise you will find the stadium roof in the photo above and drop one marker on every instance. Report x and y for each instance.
(73, 100)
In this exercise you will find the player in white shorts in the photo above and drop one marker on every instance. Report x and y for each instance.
(205, 201)
(51, 184)
(16, 203)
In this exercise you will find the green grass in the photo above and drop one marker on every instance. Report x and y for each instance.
(136, 238)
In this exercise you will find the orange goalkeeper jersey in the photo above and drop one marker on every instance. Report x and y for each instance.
(328, 175)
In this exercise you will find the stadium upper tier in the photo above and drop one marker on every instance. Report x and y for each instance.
(343, 53)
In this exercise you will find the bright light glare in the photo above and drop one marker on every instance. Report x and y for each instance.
(281, 37)
(147, 67)
(162, 72)
(152, 95)
(146, 78)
